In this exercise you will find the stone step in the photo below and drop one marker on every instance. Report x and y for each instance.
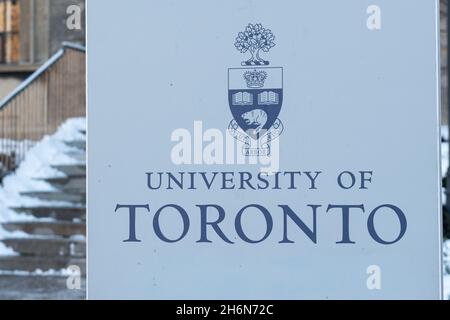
(56, 196)
(74, 184)
(39, 288)
(44, 228)
(72, 170)
(47, 247)
(68, 213)
(31, 264)
(79, 144)
(79, 156)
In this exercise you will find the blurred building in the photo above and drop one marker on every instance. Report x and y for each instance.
(31, 31)
(444, 63)
(42, 85)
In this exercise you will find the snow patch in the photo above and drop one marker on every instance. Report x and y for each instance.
(4, 250)
(39, 273)
(446, 266)
(37, 164)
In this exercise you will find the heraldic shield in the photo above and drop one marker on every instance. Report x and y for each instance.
(255, 97)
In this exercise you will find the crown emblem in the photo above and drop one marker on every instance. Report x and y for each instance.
(255, 79)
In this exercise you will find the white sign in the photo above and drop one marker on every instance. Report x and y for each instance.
(264, 150)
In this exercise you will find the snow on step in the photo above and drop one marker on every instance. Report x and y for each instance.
(47, 228)
(71, 170)
(68, 184)
(67, 213)
(45, 264)
(56, 196)
(51, 150)
(79, 144)
(42, 205)
(78, 156)
(47, 247)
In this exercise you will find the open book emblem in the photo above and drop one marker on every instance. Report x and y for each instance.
(255, 92)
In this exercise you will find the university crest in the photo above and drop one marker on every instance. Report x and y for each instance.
(255, 93)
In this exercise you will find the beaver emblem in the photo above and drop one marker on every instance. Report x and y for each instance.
(257, 118)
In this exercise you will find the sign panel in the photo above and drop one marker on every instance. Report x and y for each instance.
(263, 150)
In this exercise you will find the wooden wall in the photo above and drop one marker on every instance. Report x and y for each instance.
(56, 95)
(43, 28)
(9, 31)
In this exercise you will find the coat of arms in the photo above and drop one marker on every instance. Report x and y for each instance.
(255, 93)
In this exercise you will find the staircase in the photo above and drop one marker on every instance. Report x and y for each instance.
(55, 232)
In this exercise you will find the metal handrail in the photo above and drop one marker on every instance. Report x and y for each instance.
(52, 94)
